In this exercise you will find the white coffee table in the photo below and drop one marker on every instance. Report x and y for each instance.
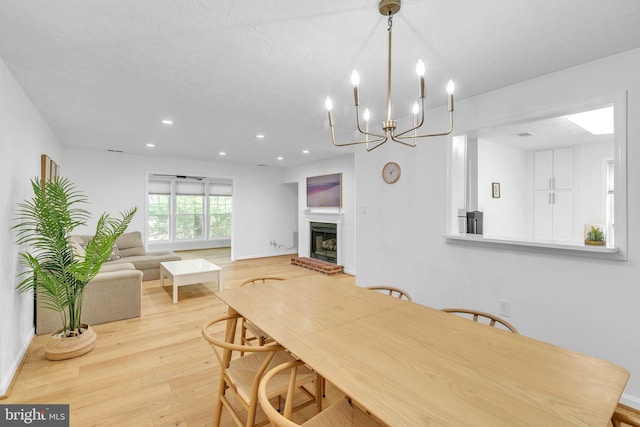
(188, 272)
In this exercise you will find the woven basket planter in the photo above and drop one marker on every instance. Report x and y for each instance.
(60, 347)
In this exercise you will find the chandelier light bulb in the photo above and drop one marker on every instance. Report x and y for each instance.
(367, 115)
(416, 108)
(328, 104)
(420, 68)
(451, 87)
(355, 78)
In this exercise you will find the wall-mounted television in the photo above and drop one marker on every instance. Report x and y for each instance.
(324, 191)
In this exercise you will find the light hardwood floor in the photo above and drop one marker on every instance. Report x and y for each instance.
(155, 370)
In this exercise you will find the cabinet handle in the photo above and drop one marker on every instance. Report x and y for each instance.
(554, 198)
(550, 199)
(553, 184)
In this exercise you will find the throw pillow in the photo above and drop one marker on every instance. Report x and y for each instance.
(77, 246)
(115, 253)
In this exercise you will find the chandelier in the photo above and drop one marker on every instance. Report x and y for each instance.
(408, 137)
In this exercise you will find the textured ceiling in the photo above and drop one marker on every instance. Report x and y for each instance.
(104, 73)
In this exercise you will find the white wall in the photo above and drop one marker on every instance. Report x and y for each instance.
(264, 209)
(299, 174)
(24, 136)
(583, 304)
(510, 214)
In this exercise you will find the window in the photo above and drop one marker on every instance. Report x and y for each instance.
(189, 210)
(159, 215)
(219, 216)
(183, 209)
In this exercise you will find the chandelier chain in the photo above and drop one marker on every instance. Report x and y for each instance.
(390, 21)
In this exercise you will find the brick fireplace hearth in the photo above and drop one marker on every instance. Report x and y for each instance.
(325, 267)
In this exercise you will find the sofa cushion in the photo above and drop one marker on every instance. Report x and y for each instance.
(116, 267)
(147, 261)
(130, 244)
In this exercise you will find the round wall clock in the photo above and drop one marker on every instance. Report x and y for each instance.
(391, 172)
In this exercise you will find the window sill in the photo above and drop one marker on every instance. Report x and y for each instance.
(548, 247)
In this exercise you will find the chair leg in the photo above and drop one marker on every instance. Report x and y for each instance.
(221, 390)
(319, 391)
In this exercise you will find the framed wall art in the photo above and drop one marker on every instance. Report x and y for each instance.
(324, 191)
(49, 168)
(495, 190)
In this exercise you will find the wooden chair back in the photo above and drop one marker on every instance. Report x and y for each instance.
(625, 416)
(261, 357)
(241, 375)
(342, 413)
(482, 317)
(259, 280)
(391, 291)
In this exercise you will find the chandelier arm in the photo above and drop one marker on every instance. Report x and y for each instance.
(375, 146)
(398, 138)
(344, 144)
(417, 126)
(366, 131)
(382, 140)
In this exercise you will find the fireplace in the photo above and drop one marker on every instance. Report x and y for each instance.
(324, 241)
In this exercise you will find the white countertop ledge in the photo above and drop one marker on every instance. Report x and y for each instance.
(537, 246)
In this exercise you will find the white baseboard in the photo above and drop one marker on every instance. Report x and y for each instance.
(629, 400)
(4, 387)
(295, 252)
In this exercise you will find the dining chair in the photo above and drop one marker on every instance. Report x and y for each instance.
(482, 317)
(341, 413)
(240, 375)
(249, 331)
(391, 291)
(622, 417)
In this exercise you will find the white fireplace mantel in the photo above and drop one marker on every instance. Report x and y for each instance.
(332, 217)
(322, 216)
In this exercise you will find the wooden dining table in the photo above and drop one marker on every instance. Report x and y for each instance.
(412, 365)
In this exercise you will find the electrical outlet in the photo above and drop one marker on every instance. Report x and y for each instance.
(504, 308)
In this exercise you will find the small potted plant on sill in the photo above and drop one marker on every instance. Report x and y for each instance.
(54, 270)
(595, 236)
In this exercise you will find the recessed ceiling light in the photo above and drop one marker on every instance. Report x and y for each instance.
(597, 122)
(150, 145)
(259, 136)
(305, 151)
(280, 158)
(222, 153)
(166, 122)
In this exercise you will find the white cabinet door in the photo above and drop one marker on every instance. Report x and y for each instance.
(562, 215)
(563, 169)
(543, 170)
(552, 195)
(553, 169)
(542, 216)
(552, 216)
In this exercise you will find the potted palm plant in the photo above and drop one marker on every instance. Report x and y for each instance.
(54, 270)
